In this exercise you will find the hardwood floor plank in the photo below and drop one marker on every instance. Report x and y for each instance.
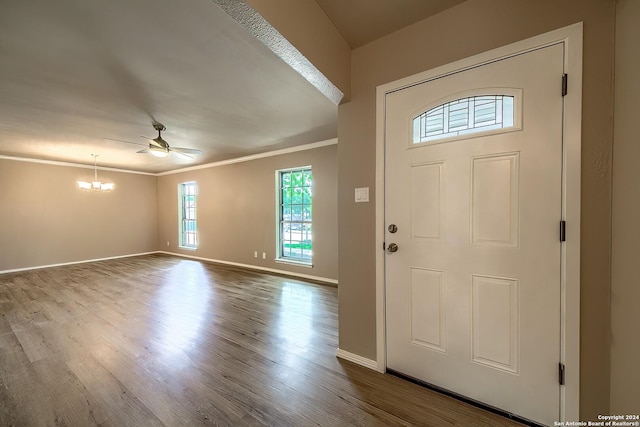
(125, 409)
(201, 393)
(5, 327)
(69, 339)
(20, 310)
(68, 400)
(159, 396)
(160, 340)
(42, 393)
(122, 337)
(32, 341)
(15, 372)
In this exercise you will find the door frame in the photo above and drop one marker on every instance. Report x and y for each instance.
(571, 37)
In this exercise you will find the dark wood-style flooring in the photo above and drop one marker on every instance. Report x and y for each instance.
(160, 340)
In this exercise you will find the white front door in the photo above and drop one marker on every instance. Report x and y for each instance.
(473, 290)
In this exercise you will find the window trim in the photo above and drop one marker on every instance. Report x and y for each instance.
(280, 258)
(181, 215)
(516, 93)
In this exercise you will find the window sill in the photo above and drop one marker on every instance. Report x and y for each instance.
(294, 262)
(188, 248)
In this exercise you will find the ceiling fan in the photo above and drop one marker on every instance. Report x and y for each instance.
(160, 148)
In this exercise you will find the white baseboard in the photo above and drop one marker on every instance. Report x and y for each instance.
(235, 264)
(256, 267)
(15, 270)
(359, 360)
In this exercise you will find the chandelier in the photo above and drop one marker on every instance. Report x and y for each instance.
(95, 185)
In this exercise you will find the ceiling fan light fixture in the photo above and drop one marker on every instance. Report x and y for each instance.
(157, 151)
(158, 147)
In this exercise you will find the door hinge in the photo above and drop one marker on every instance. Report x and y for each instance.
(565, 84)
(384, 246)
(563, 231)
(561, 373)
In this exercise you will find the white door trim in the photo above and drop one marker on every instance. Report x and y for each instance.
(571, 36)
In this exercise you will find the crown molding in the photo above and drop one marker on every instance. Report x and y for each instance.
(305, 147)
(73, 165)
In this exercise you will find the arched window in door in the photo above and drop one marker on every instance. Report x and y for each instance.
(465, 116)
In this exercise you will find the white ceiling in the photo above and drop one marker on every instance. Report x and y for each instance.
(76, 75)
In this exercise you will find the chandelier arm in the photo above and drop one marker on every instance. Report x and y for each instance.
(95, 185)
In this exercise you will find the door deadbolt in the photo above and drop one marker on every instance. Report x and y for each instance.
(392, 248)
(392, 228)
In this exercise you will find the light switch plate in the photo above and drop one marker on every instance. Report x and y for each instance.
(362, 195)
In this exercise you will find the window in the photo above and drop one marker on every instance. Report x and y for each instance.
(294, 201)
(187, 212)
(464, 116)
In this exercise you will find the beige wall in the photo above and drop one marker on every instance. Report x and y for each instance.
(625, 281)
(470, 28)
(45, 219)
(236, 211)
(305, 25)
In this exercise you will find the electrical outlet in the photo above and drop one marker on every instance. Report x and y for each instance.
(255, 254)
(167, 243)
(264, 255)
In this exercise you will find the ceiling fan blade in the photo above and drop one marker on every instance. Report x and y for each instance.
(186, 150)
(152, 141)
(125, 142)
(143, 151)
(179, 154)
